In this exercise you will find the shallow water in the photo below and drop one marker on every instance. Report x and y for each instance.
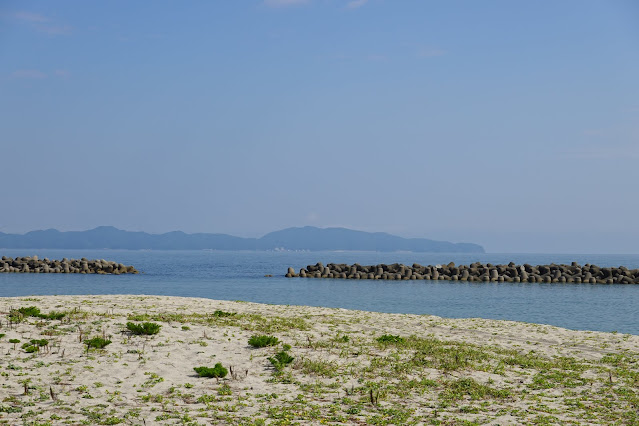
(240, 276)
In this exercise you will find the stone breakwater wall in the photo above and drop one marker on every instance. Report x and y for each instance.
(573, 273)
(64, 266)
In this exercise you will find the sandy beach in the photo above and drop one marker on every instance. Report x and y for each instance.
(348, 367)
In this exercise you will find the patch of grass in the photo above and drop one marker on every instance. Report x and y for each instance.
(220, 314)
(390, 339)
(427, 353)
(97, 343)
(17, 315)
(252, 322)
(618, 359)
(30, 311)
(34, 345)
(10, 409)
(218, 371)
(342, 339)
(153, 379)
(318, 367)
(466, 387)
(54, 316)
(263, 341)
(392, 416)
(152, 398)
(549, 379)
(29, 348)
(146, 328)
(224, 390)
(281, 360)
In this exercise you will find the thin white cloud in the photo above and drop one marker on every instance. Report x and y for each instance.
(30, 17)
(284, 3)
(55, 29)
(42, 23)
(29, 74)
(354, 4)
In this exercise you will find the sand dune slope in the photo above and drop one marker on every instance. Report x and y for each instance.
(348, 367)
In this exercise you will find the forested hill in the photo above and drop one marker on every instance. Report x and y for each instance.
(306, 238)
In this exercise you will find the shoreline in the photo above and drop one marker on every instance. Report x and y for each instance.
(426, 369)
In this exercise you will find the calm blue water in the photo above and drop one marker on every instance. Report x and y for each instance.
(240, 276)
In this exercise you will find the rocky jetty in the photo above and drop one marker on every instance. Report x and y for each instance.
(573, 273)
(64, 266)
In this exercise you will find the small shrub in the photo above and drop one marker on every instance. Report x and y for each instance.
(262, 341)
(2, 335)
(34, 345)
(30, 311)
(10, 409)
(224, 390)
(33, 311)
(205, 399)
(146, 328)
(97, 343)
(223, 314)
(15, 342)
(342, 339)
(218, 371)
(281, 360)
(28, 348)
(389, 338)
(54, 316)
(319, 367)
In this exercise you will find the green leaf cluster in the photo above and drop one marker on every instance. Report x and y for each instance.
(389, 338)
(263, 341)
(147, 328)
(281, 360)
(218, 371)
(33, 345)
(16, 315)
(97, 343)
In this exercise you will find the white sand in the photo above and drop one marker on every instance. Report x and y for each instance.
(150, 380)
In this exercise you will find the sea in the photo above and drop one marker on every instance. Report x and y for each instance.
(242, 275)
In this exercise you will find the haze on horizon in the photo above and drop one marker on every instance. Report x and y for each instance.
(514, 125)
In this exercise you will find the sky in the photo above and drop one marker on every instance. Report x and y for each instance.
(514, 125)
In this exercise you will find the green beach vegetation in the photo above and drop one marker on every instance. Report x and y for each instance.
(262, 341)
(146, 328)
(336, 367)
(218, 371)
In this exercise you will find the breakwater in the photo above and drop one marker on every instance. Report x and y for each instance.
(573, 273)
(64, 266)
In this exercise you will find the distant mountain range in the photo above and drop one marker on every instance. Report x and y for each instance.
(306, 238)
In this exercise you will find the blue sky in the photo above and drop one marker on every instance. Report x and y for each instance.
(510, 124)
